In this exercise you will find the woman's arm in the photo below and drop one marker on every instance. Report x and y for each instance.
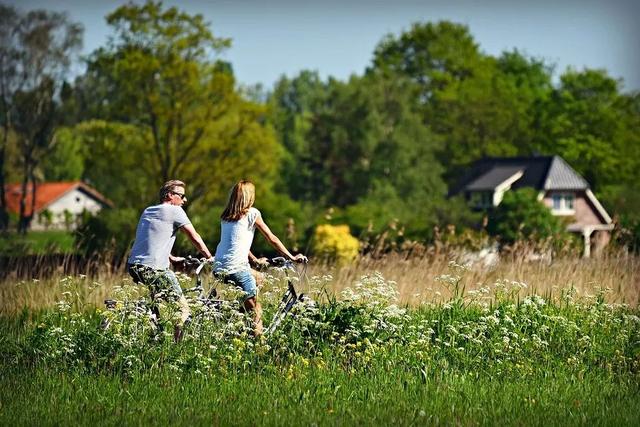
(275, 242)
(257, 262)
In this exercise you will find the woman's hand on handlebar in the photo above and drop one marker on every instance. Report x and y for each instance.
(261, 263)
(300, 258)
(177, 259)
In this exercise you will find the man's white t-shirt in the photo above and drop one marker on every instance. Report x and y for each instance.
(232, 253)
(156, 234)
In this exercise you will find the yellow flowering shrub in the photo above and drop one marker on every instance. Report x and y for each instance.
(335, 242)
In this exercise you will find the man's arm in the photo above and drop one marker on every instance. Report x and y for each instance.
(197, 241)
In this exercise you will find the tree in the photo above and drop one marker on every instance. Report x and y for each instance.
(477, 104)
(594, 127)
(434, 55)
(66, 159)
(293, 104)
(360, 145)
(521, 216)
(158, 79)
(8, 64)
(37, 49)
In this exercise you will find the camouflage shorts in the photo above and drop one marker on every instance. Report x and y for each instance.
(162, 284)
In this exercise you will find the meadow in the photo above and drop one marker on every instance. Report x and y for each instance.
(382, 341)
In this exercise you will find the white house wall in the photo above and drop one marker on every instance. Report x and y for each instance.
(75, 202)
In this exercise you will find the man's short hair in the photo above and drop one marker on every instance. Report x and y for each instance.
(168, 187)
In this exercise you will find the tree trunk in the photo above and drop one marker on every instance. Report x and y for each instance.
(33, 197)
(4, 214)
(22, 223)
(25, 220)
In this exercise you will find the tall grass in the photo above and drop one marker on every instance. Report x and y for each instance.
(617, 273)
(482, 356)
(416, 276)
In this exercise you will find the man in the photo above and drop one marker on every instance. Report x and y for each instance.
(151, 256)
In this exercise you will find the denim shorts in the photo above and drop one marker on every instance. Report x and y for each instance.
(243, 279)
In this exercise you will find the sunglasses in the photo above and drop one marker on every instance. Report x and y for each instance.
(182, 195)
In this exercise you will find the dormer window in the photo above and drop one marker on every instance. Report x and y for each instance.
(563, 203)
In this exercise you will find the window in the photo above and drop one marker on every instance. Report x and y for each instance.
(563, 203)
(481, 199)
(568, 201)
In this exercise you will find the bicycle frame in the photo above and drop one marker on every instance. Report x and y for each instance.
(289, 299)
(142, 306)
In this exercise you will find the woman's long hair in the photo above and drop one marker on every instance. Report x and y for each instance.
(241, 198)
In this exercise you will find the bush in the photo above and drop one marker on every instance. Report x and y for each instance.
(111, 232)
(627, 233)
(335, 243)
(36, 242)
(290, 220)
(521, 216)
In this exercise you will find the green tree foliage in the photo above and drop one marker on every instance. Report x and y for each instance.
(116, 162)
(158, 76)
(108, 234)
(293, 105)
(8, 62)
(595, 128)
(157, 103)
(66, 159)
(521, 216)
(364, 148)
(493, 112)
(434, 55)
(477, 104)
(36, 50)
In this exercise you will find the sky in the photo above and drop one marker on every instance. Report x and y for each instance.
(337, 38)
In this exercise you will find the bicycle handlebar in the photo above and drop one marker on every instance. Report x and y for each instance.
(280, 261)
(199, 263)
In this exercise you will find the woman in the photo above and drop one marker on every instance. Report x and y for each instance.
(239, 221)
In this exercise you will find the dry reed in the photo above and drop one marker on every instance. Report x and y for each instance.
(619, 274)
(415, 278)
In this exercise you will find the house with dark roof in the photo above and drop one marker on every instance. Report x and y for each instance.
(560, 188)
(57, 204)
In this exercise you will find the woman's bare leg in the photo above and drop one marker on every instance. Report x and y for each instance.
(259, 277)
(252, 305)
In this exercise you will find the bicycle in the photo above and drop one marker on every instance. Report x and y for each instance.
(289, 299)
(209, 305)
(142, 307)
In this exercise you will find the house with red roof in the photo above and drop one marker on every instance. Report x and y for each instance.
(57, 204)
